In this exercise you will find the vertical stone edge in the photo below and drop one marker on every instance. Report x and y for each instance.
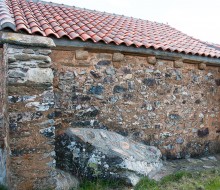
(4, 127)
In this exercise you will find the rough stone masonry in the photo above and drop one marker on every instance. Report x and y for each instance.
(173, 105)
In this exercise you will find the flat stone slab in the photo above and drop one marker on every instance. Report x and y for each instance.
(22, 39)
(93, 153)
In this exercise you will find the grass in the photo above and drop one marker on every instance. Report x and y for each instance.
(101, 185)
(203, 180)
(2, 187)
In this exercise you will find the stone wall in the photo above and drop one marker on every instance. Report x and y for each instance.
(170, 104)
(31, 117)
(3, 120)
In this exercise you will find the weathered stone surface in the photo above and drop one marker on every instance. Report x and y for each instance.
(178, 64)
(152, 60)
(28, 51)
(28, 57)
(104, 56)
(202, 66)
(28, 40)
(39, 75)
(82, 55)
(118, 57)
(97, 153)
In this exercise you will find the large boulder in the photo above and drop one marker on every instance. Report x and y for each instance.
(97, 153)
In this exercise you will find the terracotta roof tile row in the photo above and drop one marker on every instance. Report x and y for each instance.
(49, 19)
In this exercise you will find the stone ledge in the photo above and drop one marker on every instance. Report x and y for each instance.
(28, 40)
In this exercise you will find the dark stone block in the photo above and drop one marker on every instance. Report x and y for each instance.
(95, 74)
(217, 82)
(157, 126)
(98, 90)
(127, 96)
(81, 98)
(203, 132)
(167, 75)
(175, 91)
(14, 99)
(149, 82)
(54, 114)
(90, 112)
(198, 101)
(108, 79)
(104, 63)
(13, 126)
(126, 70)
(119, 89)
(184, 101)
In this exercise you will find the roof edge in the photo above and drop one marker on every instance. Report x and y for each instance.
(68, 44)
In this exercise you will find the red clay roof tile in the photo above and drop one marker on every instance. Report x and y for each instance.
(59, 20)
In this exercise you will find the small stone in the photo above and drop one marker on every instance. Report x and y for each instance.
(119, 89)
(202, 66)
(46, 59)
(28, 51)
(117, 57)
(44, 65)
(108, 80)
(16, 74)
(90, 112)
(23, 57)
(179, 140)
(110, 71)
(95, 74)
(178, 64)
(44, 51)
(11, 59)
(128, 76)
(48, 132)
(81, 98)
(82, 55)
(98, 90)
(203, 132)
(149, 82)
(104, 63)
(198, 101)
(174, 117)
(152, 60)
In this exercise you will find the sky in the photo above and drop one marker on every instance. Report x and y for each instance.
(197, 18)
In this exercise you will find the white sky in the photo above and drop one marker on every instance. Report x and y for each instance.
(197, 18)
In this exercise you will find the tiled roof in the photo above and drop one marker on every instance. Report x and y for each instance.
(49, 19)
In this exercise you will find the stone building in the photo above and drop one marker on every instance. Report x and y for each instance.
(63, 66)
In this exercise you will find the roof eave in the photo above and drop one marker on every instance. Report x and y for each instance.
(68, 44)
